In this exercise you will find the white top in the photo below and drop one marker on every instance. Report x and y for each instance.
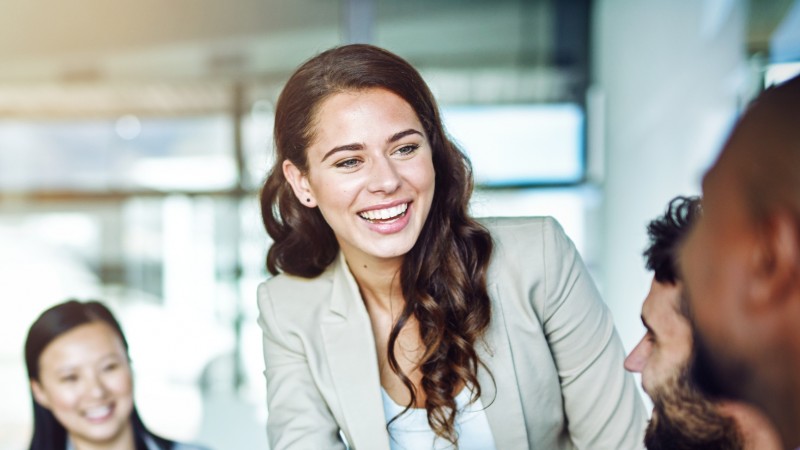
(411, 430)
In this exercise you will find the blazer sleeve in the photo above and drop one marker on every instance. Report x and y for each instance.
(297, 415)
(602, 405)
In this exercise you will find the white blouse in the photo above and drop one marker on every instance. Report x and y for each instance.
(411, 430)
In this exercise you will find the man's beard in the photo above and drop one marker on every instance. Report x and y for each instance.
(684, 420)
(711, 373)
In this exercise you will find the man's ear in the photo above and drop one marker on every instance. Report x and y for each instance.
(776, 258)
(39, 394)
(299, 182)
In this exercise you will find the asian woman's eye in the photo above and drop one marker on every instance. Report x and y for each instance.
(350, 163)
(407, 149)
(111, 366)
(69, 378)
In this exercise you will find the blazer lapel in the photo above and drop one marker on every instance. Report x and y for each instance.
(350, 350)
(500, 396)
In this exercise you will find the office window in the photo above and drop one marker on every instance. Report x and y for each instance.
(129, 153)
(520, 145)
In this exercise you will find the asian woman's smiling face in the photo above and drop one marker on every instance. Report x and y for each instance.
(85, 381)
(370, 172)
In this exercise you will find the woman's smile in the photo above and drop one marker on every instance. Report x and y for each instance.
(384, 215)
(387, 220)
(99, 414)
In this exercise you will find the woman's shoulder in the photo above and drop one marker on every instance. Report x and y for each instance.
(287, 284)
(516, 230)
(284, 282)
(292, 297)
(501, 223)
(526, 246)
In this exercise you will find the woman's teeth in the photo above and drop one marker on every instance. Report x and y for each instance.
(383, 214)
(98, 413)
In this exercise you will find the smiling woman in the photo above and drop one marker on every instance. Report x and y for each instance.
(381, 183)
(395, 320)
(81, 383)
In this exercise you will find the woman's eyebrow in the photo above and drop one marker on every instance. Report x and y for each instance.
(397, 136)
(342, 148)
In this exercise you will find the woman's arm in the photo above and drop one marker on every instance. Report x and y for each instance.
(603, 407)
(298, 417)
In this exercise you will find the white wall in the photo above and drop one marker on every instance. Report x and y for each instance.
(669, 76)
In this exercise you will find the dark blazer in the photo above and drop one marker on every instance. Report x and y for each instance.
(556, 358)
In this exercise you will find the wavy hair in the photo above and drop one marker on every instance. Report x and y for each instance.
(665, 234)
(48, 432)
(443, 277)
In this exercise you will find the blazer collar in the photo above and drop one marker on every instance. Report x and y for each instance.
(351, 353)
(345, 295)
(503, 406)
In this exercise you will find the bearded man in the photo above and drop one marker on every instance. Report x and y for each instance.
(741, 264)
(683, 418)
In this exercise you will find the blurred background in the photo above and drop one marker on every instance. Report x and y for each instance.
(134, 137)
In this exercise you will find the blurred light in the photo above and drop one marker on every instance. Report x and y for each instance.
(193, 173)
(716, 13)
(257, 131)
(520, 144)
(263, 108)
(128, 127)
(70, 230)
(568, 205)
(784, 45)
(778, 73)
(25, 261)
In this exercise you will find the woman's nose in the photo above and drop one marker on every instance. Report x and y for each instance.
(384, 176)
(96, 387)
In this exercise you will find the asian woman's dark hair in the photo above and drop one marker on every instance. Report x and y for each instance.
(666, 233)
(48, 433)
(443, 277)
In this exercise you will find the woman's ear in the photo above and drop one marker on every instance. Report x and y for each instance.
(39, 395)
(299, 182)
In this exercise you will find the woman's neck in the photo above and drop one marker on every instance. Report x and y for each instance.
(379, 282)
(122, 441)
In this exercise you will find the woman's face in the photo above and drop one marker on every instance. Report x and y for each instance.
(85, 381)
(370, 172)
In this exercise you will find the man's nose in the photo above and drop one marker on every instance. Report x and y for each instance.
(637, 359)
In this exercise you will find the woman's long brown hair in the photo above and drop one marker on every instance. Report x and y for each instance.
(443, 277)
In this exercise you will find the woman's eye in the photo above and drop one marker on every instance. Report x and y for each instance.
(407, 149)
(111, 366)
(348, 163)
(71, 378)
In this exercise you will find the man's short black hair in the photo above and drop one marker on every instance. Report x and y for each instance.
(665, 233)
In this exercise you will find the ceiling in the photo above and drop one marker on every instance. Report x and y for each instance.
(96, 57)
(188, 39)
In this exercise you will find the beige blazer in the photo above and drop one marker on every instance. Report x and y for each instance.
(551, 346)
